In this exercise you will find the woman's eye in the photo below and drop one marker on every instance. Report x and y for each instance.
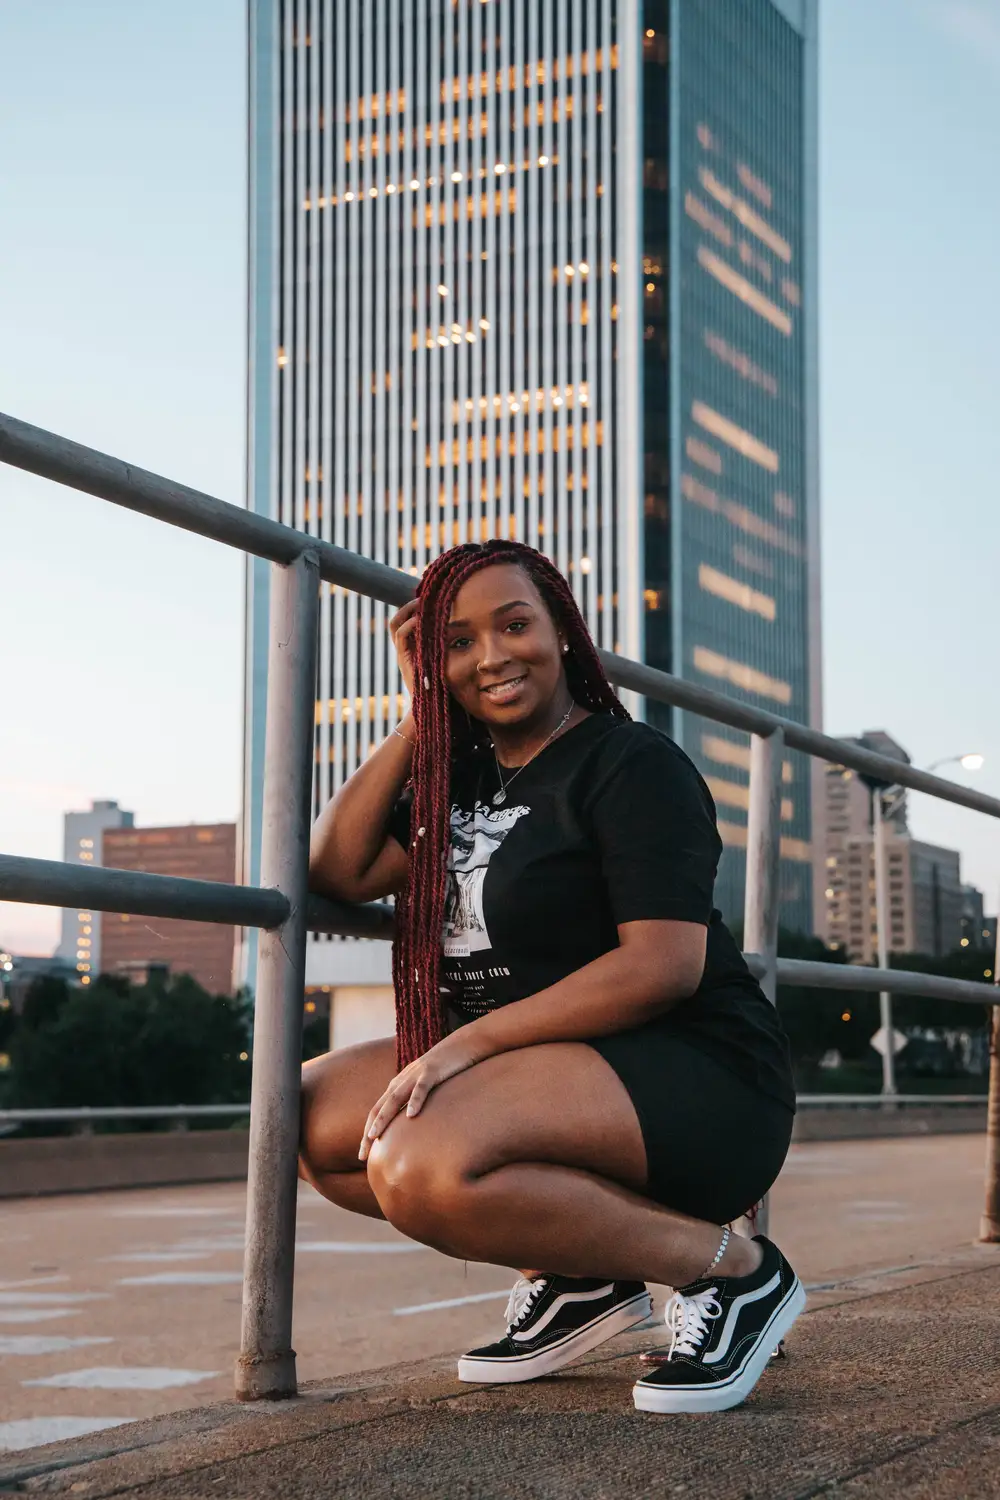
(459, 643)
(518, 626)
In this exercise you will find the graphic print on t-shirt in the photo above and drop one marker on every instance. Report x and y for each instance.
(475, 838)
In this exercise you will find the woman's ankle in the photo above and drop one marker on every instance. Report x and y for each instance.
(742, 1257)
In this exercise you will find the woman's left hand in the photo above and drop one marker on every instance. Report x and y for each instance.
(410, 1088)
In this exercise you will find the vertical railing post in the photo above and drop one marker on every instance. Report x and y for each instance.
(881, 859)
(266, 1365)
(762, 899)
(989, 1224)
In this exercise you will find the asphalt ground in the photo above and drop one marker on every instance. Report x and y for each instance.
(121, 1306)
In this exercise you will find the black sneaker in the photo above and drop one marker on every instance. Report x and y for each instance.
(723, 1332)
(552, 1321)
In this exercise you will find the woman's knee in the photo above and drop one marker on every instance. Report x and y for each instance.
(338, 1089)
(421, 1185)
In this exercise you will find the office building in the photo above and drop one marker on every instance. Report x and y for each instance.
(80, 939)
(138, 947)
(930, 910)
(544, 272)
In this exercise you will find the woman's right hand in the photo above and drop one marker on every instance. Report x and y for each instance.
(402, 629)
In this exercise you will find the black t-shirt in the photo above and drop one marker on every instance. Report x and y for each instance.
(610, 823)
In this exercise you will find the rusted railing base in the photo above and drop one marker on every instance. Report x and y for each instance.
(272, 1378)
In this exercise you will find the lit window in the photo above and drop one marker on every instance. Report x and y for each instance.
(585, 564)
(543, 161)
(455, 177)
(740, 675)
(484, 324)
(499, 169)
(442, 290)
(414, 184)
(747, 216)
(702, 454)
(734, 592)
(741, 288)
(737, 437)
(282, 359)
(348, 197)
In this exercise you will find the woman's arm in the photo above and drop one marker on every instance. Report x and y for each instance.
(658, 963)
(350, 853)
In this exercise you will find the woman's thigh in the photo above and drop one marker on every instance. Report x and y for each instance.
(338, 1091)
(558, 1104)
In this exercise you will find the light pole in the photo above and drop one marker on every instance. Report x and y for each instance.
(882, 793)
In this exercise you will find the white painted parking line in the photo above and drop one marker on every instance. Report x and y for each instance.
(35, 1314)
(8, 1286)
(39, 1343)
(176, 1211)
(422, 1307)
(358, 1247)
(33, 1432)
(124, 1378)
(157, 1255)
(184, 1278)
(25, 1299)
(210, 1243)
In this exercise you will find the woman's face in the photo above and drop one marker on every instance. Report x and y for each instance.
(502, 651)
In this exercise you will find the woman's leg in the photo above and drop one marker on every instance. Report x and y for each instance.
(536, 1158)
(338, 1090)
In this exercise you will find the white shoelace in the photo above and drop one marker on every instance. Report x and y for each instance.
(688, 1318)
(523, 1296)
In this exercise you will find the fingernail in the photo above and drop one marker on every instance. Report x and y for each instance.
(372, 1133)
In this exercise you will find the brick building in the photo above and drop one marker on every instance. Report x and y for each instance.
(135, 945)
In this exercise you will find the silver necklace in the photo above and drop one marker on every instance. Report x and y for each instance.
(501, 796)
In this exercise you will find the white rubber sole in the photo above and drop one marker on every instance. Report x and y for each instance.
(545, 1361)
(722, 1397)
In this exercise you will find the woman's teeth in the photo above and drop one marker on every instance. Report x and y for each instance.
(504, 689)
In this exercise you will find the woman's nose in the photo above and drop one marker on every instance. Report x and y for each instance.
(492, 653)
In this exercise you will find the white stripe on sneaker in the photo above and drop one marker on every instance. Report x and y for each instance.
(561, 1300)
(735, 1308)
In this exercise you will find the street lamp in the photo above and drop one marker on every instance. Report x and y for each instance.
(973, 761)
(883, 804)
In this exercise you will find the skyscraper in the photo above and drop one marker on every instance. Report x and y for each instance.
(80, 939)
(544, 271)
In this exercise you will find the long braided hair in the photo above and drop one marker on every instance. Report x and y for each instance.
(444, 734)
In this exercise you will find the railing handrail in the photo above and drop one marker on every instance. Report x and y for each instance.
(44, 453)
(54, 883)
(81, 1114)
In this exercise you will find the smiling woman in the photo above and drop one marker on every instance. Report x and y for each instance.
(586, 1079)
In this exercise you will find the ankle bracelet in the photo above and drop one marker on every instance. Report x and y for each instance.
(726, 1233)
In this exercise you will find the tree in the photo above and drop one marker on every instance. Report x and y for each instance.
(117, 1044)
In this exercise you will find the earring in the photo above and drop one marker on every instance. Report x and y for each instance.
(565, 648)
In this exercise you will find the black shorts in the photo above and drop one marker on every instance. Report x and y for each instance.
(714, 1144)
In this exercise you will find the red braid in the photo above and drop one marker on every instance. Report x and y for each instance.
(420, 906)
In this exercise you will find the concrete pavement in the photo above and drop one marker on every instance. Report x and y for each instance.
(892, 1389)
(117, 1307)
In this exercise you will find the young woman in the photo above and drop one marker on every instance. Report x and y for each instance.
(586, 1080)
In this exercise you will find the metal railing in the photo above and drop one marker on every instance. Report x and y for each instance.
(284, 911)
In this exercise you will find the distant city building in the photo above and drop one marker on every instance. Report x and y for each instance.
(80, 941)
(928, 904)
(545, 272)
(18, 973)
(139, 946)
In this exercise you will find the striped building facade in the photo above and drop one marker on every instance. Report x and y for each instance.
(470, 225)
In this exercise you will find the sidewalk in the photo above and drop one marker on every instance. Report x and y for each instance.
(892, 1388)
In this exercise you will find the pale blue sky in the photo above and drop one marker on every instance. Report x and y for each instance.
(122, 325)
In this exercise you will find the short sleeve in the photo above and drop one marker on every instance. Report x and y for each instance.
(654, 822)
(399, 819)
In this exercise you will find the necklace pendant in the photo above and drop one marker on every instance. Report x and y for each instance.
(499, 797)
